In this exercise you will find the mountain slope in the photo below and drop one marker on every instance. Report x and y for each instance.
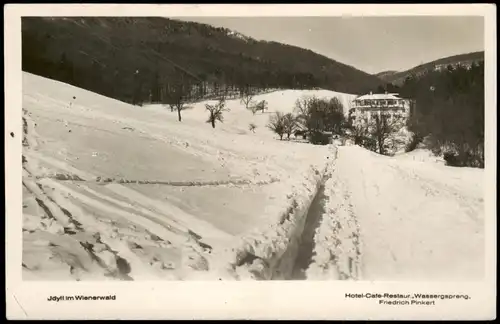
(464, 59)
(385, 74)
(120, 57)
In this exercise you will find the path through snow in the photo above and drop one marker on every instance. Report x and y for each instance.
(306, 248)
(417, 220)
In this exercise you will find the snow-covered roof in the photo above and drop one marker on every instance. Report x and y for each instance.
(379, 96)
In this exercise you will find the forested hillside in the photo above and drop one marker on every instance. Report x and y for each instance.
(448, 110)
(138, 59)
(385, 75)
(464, 59)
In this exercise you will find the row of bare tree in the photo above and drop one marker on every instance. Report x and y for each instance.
(313, 118)
(247, 99)
(179, 94)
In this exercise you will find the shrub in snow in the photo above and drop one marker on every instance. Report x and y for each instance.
(277, 124)
(319, 138)
(460, 155)
(299, 132)
(451, 159)
(252, 127)
(415, 139)
(463, 157)
(261, 106)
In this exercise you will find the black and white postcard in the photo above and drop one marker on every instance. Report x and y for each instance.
(250, 161)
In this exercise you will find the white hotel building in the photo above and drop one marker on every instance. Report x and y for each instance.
(375, 103)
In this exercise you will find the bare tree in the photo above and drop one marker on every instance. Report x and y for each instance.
(334, 115)
(314, 114)
(302, 110)
(247, 97)
(289, 124)
(376, 127)
(176, 97)
(358, 127)
(302, 105)
(277, 124)
(382, 129)
(216, 111)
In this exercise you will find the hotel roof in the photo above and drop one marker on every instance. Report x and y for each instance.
(378, 96)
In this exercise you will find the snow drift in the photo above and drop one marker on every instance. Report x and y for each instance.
(271, 253)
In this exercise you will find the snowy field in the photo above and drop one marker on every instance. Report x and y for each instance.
(117, 192)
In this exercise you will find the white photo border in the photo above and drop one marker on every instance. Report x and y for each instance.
(236, 300)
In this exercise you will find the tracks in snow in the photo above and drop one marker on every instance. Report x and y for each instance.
(330, 246)
(214, 183)
(62, 222)
(68, 222)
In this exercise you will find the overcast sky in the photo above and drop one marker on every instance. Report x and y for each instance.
(371, 44)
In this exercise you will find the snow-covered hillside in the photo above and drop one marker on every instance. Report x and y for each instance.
(239, 118)
(150, 190)
(117, 192)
